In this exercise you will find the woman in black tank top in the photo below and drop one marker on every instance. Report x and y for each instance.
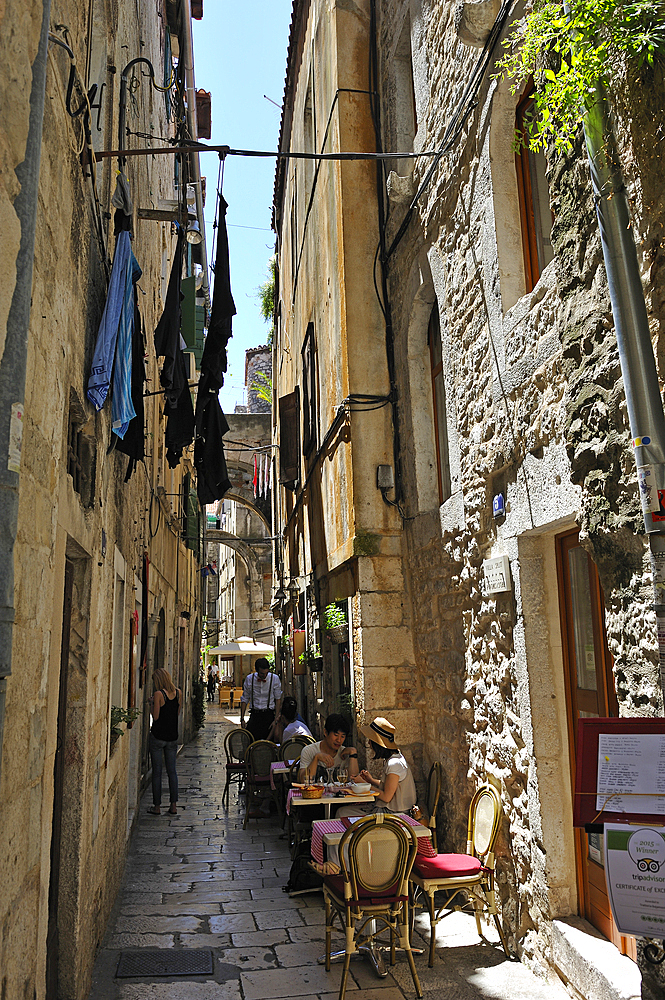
(166, 707)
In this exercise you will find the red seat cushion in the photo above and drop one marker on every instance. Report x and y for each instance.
(236, 767)
(447, 866)
(261, 781)
(336, 884)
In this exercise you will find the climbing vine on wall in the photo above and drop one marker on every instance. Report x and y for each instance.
(571, 49)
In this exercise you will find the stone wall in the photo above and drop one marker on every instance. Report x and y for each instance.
(535, 410)
(101, 531)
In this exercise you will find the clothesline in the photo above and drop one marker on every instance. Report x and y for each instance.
(201, 147)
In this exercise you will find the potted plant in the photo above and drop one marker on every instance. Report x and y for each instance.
(337, 627)
(312, 659)
(118, 716)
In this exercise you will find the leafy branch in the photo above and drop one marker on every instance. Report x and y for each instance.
(262, 386)
(570, 53)
(266, 296)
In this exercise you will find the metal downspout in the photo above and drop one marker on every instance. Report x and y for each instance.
(638, 367)
(190, 91)
(13, 363)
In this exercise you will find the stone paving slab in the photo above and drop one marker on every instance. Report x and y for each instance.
(198, 880)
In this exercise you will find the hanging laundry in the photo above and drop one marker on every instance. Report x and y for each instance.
(255, 479)
(122, 405)
(214, 361)
(125, 267)
(212, 479)
(179, 410)
(211, 471)
(133, 442)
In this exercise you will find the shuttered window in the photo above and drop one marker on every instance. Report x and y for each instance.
(289, 439)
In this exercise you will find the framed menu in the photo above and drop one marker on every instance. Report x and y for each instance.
(620, 771)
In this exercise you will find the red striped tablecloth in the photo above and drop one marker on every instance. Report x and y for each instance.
(322, 826)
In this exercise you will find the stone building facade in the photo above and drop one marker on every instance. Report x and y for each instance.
(505, 373)
(106, 579)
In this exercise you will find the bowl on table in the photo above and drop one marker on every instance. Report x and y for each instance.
(360, 787)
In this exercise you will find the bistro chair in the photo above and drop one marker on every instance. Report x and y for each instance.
(434, 780)
(237, 695)
(471, 873)
(236, 743)
(370, 895)
(225, 697)
(292, 748)
(260, 756)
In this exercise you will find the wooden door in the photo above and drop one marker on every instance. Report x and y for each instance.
(590, 693)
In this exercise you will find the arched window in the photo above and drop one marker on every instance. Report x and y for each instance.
(439, 403)
(535, 212)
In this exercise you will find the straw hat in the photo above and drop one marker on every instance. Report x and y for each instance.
(382, 732)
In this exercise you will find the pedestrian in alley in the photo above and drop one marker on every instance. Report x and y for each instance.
(211, 685)
(166, 707)
(262, 691)
(287, 723)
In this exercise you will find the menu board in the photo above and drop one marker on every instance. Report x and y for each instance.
(620, 771)
(631, 772)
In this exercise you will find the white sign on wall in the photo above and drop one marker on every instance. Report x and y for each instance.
(496, 575)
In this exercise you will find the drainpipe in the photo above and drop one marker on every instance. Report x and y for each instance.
(13, 363)
(638, 367)
(190, 92)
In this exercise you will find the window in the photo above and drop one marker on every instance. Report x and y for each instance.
(289, 439)
(439, 403)
(535, 212)
(309, 394)
(81, 451)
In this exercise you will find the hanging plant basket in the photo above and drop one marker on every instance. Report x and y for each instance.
(340, 633)
(316, 664)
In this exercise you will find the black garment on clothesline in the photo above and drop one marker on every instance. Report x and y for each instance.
(212, 480)
(133, 443)
(178, 410)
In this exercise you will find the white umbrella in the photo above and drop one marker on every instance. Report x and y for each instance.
(244, 645)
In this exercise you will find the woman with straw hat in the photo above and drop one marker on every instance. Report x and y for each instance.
(397, 789)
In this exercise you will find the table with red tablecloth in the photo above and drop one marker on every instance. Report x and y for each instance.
(327, 833)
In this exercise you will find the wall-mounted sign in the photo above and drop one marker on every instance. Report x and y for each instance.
(635, 873)
(498, 506)
(496, 575)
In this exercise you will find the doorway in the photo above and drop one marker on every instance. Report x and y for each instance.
(590, 693)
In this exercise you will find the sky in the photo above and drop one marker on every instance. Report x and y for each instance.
(240, 56)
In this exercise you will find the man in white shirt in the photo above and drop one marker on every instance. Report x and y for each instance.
(330, 752)
(262, 691)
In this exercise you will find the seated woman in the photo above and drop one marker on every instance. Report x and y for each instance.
(397, 789)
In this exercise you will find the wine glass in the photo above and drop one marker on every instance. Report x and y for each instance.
(330, 771)
(343, 774)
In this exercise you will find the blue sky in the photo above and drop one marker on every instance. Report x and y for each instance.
(240, 55)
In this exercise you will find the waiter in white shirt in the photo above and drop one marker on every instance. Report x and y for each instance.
(262, 691)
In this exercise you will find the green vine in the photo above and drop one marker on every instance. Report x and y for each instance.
(571, 53)
(120, 715)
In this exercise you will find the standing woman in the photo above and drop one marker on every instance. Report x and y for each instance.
(166, 707)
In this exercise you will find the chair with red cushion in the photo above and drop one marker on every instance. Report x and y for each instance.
(434, 780)
(472, 873)
(236, 743)
(260, 755)
(370, 895)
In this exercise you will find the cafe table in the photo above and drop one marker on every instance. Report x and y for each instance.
(327, 833)
(278, 769)
(295, 799)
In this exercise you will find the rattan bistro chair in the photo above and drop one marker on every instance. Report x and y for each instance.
(260, 756)
(472, 873)
(236, 743)
(370, 895)
(434, 780)
(292, 748)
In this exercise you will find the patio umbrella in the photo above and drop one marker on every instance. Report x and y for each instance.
(244, 645)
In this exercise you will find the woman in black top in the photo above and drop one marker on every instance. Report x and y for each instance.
(166, 707)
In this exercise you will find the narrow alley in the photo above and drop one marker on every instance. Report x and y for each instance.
(198, 881)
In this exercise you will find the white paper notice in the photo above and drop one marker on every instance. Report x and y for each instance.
(635, 764)
(635, 875)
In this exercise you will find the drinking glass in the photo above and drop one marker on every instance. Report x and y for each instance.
(343, 774)
(330, 771)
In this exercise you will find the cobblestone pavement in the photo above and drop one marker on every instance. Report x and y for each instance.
(197, 880)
